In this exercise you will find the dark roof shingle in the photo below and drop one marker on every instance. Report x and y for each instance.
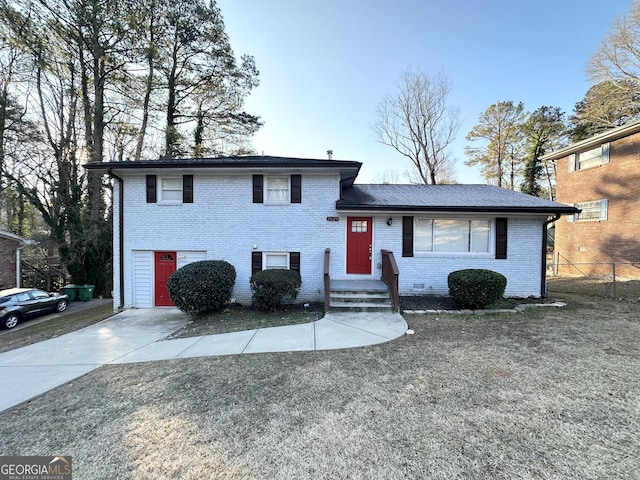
(471, 198)
(232, 162)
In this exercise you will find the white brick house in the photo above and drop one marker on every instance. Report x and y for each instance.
(267, 212)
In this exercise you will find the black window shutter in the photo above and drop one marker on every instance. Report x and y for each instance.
(501, 238)
(151, 189)
(407, 236)
(257, 188)
(187, 189)
(256, 262)
(296, 189)
(294, 261)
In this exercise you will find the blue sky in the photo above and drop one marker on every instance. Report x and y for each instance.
(325, 66)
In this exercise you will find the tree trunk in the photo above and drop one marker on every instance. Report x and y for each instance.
(147, 91)
(171, 133)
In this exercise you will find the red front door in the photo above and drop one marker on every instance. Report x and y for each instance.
(165, 265)
(359, 244)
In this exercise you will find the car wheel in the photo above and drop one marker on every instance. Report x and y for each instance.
(61, 306)
(11, 320)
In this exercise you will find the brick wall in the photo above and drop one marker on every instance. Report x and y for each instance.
(223, 223)
(616, 239)
(8, 262)
(521, 267)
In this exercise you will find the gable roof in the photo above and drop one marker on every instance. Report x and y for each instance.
(446, 198)
(347, 169)
(595, 141)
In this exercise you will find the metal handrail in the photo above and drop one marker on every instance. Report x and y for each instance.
(327, 281)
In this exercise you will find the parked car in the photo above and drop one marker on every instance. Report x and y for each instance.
(17, 304)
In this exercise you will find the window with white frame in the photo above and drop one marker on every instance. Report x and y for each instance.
(359, 226)
(452, 236)
(171, 189)
(592, 211)
(277, 189)
(591, 158)
(273, 260)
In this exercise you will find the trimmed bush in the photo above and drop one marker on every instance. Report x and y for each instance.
(476, 288)
(202, 287)
(272, 287)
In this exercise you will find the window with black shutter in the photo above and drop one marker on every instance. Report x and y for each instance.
(277, 189)
(187, 189)
(151, 189)
(407, 236)
(501, 238)
(294, 261)
(256, 262)
(258, 182)
(296, 189)
(274, 260)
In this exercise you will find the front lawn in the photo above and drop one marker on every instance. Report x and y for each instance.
(542, 394)
(236, 318)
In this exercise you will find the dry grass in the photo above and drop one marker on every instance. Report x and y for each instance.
(236, 318)
(625, 289)
(65, 323)
(546, 394)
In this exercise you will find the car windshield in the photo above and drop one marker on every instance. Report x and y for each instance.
(39, 294)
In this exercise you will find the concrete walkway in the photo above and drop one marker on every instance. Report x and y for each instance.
(137, 336)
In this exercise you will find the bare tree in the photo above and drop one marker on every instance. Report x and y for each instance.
(419, 124)
(614, 70)
(386, 177)
(618, 55)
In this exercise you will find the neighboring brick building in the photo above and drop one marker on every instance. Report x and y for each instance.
(9, 258)
(601, 176)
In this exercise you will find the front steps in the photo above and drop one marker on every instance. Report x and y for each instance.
(359, 296)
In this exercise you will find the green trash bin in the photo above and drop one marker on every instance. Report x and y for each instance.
(72, 291)
(85, 292)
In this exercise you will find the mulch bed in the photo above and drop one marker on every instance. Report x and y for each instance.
(439, 302)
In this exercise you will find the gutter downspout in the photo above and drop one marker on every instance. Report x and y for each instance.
(19, 261)
(18, 270)
(120, 234)
(543, 276)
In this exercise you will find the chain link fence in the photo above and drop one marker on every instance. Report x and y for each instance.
(605, 279)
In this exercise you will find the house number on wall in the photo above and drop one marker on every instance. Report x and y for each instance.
(333, 219)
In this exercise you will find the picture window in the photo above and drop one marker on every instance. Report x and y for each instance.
(452, 236)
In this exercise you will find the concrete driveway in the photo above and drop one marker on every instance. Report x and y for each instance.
(137, 336)
(73, 307)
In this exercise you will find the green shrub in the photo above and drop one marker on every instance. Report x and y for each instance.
(202, 287)
(272, 287)
(476, 288)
